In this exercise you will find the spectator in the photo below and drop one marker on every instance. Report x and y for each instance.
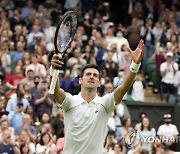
(138, 87)
(26, 60)
(8, 145)
(3, 106)
(159, 57)
(15, 79)
(148, 36)
(26, 10)
(110, 141)
(26, 126)
(133, 33)
(49, 30)
(41, 55)
(39, 69)
(167, 131)
(110, 66)
(141, 117)
(18, 54)
(45, 143)
(168, 70)
(60, 144)
(29, 110)
(4, 124)
(43, 100)
(15, 117)
(58, 124)
(5, 59)
(29, 80)
(34, 37)
(146, 131)
(24, 149)
(122, 131)
(24, 139)
(18, 99)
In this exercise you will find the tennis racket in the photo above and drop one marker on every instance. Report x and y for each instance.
(64, 35)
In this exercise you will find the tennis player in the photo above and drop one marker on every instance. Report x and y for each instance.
(86, 114)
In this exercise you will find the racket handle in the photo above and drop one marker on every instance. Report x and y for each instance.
(53, 81)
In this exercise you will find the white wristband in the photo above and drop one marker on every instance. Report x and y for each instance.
(51, 70)
(134, 67)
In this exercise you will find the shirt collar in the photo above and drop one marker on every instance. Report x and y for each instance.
(94, 101)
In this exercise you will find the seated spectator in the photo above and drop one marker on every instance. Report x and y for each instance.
(18, 54)
(43, 120)
(8, 145)
(33, 36)
(5, 59)
(58, 123)
(110, 141)
(29, 79)
(15, 117)
(43, 100)
(29, 110)
(60, 144)
(66, 81)
(24, 139)
(168, 131)
(3, 106)
(118, 149)
(139, 124)
(146, 131)
(39, 69)
(24, 149)
(14, 80)
(45, 143)
(19, 99)
(26, 126)
(122, 131)
(4, 124)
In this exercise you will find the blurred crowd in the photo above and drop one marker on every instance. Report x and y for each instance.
(30, 121)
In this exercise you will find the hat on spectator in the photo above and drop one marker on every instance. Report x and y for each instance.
(169, 54)
(167, 116)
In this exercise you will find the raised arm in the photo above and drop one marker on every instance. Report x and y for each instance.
(59, 93)
(129, 78)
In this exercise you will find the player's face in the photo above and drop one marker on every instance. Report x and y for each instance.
(90, 78)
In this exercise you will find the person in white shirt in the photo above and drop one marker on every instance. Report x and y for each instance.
(86, 114)
(168, 132)
(168, 70)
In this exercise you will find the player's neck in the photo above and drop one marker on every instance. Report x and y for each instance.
(88, 95)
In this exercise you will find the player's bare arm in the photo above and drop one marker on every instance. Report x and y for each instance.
(59, 93)
(129, 78)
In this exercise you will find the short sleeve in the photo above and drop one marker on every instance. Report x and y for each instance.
(160, 131)
(163, 67)
(109, 102)
(176, 67)
(175, 130)
(69, 102)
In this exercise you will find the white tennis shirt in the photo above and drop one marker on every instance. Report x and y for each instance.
(86, 123)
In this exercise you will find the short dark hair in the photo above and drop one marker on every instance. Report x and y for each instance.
(90, 66)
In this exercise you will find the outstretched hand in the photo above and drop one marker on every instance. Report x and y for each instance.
(138, 53)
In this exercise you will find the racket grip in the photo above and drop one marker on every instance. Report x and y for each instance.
(53, 81)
